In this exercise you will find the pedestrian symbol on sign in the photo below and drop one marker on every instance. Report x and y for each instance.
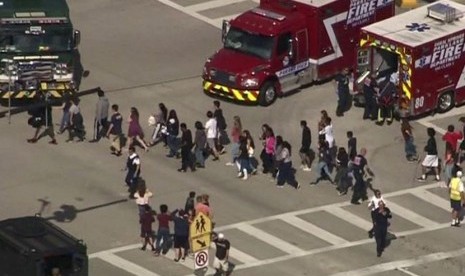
(200, 225)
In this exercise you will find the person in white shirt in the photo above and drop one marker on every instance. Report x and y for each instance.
(212, 134)
(327, 131)
(373, 204)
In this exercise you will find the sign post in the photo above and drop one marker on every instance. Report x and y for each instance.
(200, 239)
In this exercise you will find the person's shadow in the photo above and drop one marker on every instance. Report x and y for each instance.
(67, 213)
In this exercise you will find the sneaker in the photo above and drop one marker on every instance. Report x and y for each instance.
(53, 142)
(245, 177)
(181, 170)
(215, 159)
(298, 186)
(254, 171)
(341, 193)
(313, 183)
(370, 234)
(438, 178)
(280, 186)
(421, 179)
(302, 166)
(229, 164)
(307, 169)
(32, 141)
(223, 150)
(239, 175)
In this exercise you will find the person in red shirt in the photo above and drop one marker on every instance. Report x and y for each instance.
(146, 220)
(452, 137)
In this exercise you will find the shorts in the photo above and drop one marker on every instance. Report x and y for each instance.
(456, 205)
(211, 143)
(220, 264)
(430, 161)
(180, 242)
(146, 233)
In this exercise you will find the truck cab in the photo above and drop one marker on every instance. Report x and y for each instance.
(282, 45)
(38, 49)
(32, 246)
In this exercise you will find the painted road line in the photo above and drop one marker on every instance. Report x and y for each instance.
(350, 218)
(212, 5)
(404, 270)
(239, 255)
(403, 263)
(400, 211)
(116, 250)
(322, 208)
(437, 128)
(439, 116)
(125, 265)
(433, 199)
(313, 230)
(190, 13)
(332, 248)
(270, 239)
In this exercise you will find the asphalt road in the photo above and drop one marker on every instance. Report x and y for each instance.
(147, 52)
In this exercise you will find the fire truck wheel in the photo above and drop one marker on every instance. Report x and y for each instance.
(445, 102)
(267, 94)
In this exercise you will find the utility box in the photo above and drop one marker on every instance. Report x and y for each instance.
(32, 246)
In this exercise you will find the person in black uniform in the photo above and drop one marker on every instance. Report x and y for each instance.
(370, 89)
(386, 100)
(360, 169)
(381, 222)
(342, 81)
(133, 171)
(186, 149)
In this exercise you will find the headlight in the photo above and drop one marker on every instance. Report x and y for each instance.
(61, 69)
(249, 82)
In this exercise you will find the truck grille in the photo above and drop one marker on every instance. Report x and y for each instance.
(223, 78)
(36, 70)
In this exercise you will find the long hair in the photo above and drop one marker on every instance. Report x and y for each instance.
(164, 111)
(135, 113)
(173, 115)
(237, 123)
(249, 138)
(288, 147)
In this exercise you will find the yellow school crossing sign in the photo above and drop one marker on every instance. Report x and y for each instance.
(200, 232)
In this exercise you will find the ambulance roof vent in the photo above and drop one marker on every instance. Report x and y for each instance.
(443, 12)
(269, 14)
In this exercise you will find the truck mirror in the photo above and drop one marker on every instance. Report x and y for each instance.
(291, 49)
(225, 29)
(77, 38)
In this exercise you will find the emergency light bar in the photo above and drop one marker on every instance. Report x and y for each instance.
(269, 14)
(45, 20)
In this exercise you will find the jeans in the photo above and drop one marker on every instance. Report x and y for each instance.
(162, 234)
(234, 152)
(245, 164)
(322, 165)
(64, 121)
(342, 179)
(286, 174)
(410, 149)
(172, 144)
(199, 156)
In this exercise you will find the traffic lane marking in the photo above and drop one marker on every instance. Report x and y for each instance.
(125, 265)
(350, 218)
(190, 13)
(406, 271)
(427, 121)
(411, 216)
(212, 4)
(238, 255)
(313, 230)
(269, 239)
(403, 263)
(433, 199)
(332, 248)
(322, 208)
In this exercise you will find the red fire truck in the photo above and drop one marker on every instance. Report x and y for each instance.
(284, 44)
(423, 50)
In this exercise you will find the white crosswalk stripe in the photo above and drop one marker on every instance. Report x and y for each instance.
(212, 4)
(270, 239)
(313, 230)
(289, 251)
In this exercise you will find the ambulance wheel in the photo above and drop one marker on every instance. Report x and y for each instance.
(267, 94)
(445, 102)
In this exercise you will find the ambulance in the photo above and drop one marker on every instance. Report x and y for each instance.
(282, 45)
(421, 51)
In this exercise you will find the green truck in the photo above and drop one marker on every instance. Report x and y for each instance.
(33, 246)
(38, 50)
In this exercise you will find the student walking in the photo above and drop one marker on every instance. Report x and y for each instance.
(142, 196)
(172, 128)
(304, 151)
(222, 138)
(236, 131)
(101, 116)
(324, 158)
(146, 220)
(351, 145)
(163, 233)
(381, 218)
(161, 116)
(76, 125)
(211, 128)
(269, 144)
(115, 131)
(42, 117)
(190, 202)
(373, 205)
(135, 132)
(452, 137)
(431, 160)
(200, 142)
(286, 172)
(133, 166)
(244, 159)
(186, 149)
(181, 234)
(407, 134)
(341, 178)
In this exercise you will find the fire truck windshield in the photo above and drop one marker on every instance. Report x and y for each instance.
(33, 43)
(252, 44)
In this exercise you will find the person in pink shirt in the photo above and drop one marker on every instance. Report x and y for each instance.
(202, 206)
(268, 151)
